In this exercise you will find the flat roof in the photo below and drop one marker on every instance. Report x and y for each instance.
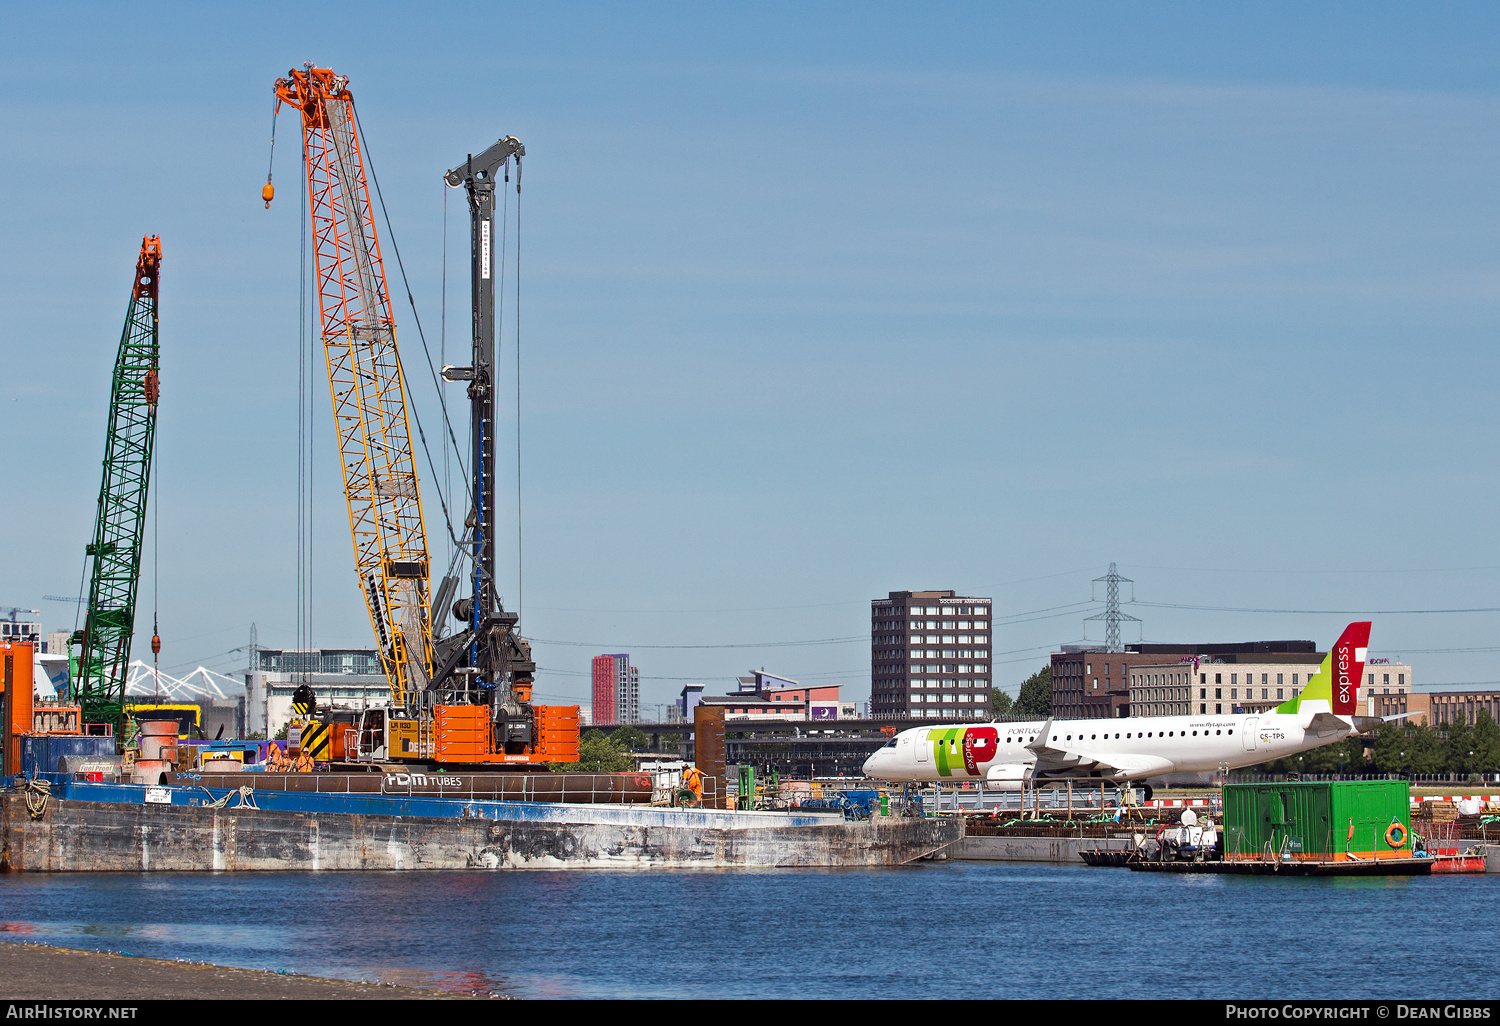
(1458, 689)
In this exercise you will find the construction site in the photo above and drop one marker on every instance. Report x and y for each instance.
(117, 765)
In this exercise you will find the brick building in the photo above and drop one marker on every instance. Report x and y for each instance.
(1090, 683)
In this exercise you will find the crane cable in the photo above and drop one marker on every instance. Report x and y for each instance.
(519, 592)
(268, 191)
(400, 367)
(156, 580)
(304, 577)
(304, 438)
(443, 347)
(499, 322)
(153, 394)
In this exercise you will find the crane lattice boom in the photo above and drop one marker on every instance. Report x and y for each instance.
(364, 377)
(120, 520)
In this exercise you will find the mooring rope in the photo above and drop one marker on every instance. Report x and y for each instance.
(246, 794)
(37, 793)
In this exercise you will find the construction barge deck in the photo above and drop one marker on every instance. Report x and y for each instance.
(183, 826)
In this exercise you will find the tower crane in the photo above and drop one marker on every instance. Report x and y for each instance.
(467, 698)
(120, 519)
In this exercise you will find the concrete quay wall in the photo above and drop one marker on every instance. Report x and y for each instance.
(78, 835)
(1032, 849)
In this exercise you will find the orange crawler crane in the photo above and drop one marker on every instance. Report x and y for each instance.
(443, 710)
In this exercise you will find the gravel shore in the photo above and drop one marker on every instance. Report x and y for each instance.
(36, 972)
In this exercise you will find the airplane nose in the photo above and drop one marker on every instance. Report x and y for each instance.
(871, 764)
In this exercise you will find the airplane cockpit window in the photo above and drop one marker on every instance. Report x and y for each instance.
(890, 744)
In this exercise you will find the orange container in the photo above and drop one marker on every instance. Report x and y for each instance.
(16, 700)
(557, 733)
(460, 733)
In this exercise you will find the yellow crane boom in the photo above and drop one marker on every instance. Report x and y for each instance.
(365, 380)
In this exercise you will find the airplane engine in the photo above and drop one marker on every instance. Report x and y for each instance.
(1007, 776)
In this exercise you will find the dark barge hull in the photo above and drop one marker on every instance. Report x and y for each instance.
(1381, 867)
(288, 831)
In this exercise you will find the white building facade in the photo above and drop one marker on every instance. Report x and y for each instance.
(340, 679)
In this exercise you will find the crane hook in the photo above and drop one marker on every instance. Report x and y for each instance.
(268, 192)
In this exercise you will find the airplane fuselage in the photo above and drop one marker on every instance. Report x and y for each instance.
(1116, 749)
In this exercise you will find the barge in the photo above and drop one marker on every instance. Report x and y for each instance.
(1332, 828)
(74, 825)
(1371, 867)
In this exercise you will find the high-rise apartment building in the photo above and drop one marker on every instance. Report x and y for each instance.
(617, 690)
(930, 656)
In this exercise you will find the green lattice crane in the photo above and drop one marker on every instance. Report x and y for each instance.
(120, 521)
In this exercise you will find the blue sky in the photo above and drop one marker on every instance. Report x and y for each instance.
(818, 302)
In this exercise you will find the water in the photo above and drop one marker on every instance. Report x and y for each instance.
(957, 929)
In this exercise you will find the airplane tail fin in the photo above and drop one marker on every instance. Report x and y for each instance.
(1337, 680)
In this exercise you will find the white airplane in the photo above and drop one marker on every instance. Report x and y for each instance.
(1134, 748)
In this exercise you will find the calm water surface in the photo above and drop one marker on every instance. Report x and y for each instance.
(958, 929)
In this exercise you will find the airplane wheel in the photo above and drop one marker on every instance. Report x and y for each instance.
(1147, 789)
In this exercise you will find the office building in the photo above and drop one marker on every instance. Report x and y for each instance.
(682, 709)
(1216, 688)
(20, 626)
(1090, 683)
(1388, 691)
(930, 656)
(341, 678)
(767, 696)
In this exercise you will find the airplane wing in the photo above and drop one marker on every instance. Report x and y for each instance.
(1328, 723)
(1042, 749)
(1126, 764)
(1366, 723)
(1069, 762)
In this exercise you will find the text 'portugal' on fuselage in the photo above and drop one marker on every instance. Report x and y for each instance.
(1135, 748)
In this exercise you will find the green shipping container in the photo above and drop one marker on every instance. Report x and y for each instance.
(1326, 820)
